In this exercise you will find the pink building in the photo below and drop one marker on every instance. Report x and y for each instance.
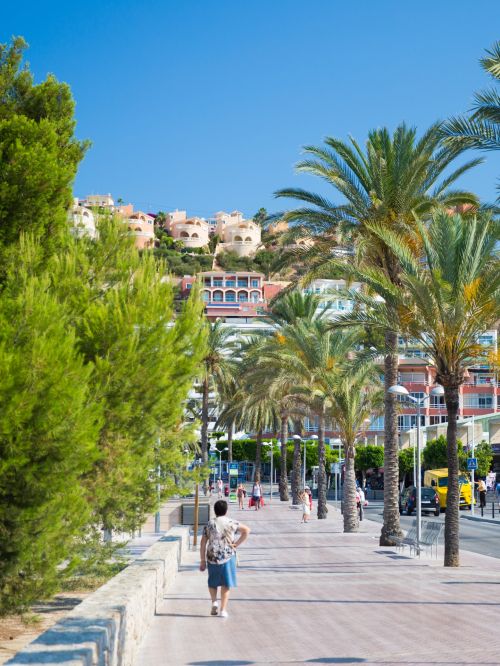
(232, 294)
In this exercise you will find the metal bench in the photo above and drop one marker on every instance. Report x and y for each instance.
(410, 539)
(430, 535)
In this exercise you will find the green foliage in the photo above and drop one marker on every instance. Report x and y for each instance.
(230, 261)
(406, 461)
(94, 373)
(369, 457)
(435, 457)
(260, 217)
(178, 263)
(38, 151)
(49, 425)
(484, 454)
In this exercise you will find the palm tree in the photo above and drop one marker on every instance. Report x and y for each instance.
(449, 295)
(482, 128)
(217, 370)
(394, 181)
(311, 354)
(354, 394)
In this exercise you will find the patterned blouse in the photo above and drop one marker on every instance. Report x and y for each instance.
(220, 534)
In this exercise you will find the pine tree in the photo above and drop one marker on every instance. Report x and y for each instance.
(38, 151)
(49, 424)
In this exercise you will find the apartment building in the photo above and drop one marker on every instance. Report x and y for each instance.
(193, 232)
(141, 226)
(238, 295)
(81, 221)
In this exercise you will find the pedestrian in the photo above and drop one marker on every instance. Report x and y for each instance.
(219, 488)
(306, 507)
(218, 553)
(481, 486)
(498, 493)
(309, 497)
(241, 494)
(256, 495)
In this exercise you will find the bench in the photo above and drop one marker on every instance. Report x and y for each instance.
(429, 537)
(431, 531)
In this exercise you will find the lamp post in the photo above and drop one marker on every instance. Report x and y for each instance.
(270, 444)
(315, 438)
(298, 438)
(403, 392)
(196, 509)
(214, 449)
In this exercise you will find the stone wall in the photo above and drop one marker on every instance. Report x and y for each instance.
(107, 627)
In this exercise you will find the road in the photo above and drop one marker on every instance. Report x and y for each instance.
(483, 538)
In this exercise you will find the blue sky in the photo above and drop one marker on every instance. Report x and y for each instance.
(205, 104)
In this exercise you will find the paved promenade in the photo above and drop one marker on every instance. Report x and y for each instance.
(310, 594)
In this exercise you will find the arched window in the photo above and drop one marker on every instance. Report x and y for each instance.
(243, 297)
(217, 296)
(138, 229)
(195, 235)
(230, 296)
(206, 296)
(254, 296)
(238, 239)
(184, 234)
(248, 239)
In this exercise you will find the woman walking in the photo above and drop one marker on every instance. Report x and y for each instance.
(306, 506)
(256, 495)
(241, 493)
(218, 551)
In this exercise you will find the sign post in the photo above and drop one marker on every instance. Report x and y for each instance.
(233, 481)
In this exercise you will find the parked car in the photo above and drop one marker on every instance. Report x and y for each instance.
(429, 501)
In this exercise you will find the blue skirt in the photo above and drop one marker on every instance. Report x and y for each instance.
(222, 575)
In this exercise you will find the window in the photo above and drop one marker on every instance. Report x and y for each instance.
(230, 296)
(254, 296)
(206, 296)
(230, 283)
(217, 282)
(217, 296)
(409, 421)
(242, 297)
(437, 401)
(486, 340)
(242, 282)
(254, 283)
(188, 286)
(436, 420)
(478, 401)
(418, 395)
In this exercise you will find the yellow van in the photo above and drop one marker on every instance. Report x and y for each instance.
(438, 479)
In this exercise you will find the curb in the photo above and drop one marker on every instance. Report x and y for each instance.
(478, 519)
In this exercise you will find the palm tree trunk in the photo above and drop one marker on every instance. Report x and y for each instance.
(283, 461)
(351, 518)
(391, 524)
(322, 504)
(451, 522)
(230, 442)
(258, 455)
(296, 471)
(204, 428)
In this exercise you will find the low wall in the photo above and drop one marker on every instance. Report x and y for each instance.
(107, 628)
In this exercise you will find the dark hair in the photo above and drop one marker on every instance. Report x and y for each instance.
(220, 508)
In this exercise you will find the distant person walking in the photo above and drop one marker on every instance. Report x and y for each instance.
(481, 486)
(218, 553)
(256, 495)
(220, 488)
(498, 493)
(241, 494)
(306, 506)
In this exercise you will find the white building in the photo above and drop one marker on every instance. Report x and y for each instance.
(82, 221)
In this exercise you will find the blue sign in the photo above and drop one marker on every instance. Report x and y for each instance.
(233, 465)
(471, 463)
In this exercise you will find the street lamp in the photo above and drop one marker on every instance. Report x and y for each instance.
(298, 438)
(315, 438)
(338, 442)
(403, 393)
(270, 444)
(214, 449)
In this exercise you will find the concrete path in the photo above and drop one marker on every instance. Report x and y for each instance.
(310, 594)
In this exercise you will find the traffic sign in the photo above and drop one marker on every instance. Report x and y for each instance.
(471, 463)
(335, 468)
